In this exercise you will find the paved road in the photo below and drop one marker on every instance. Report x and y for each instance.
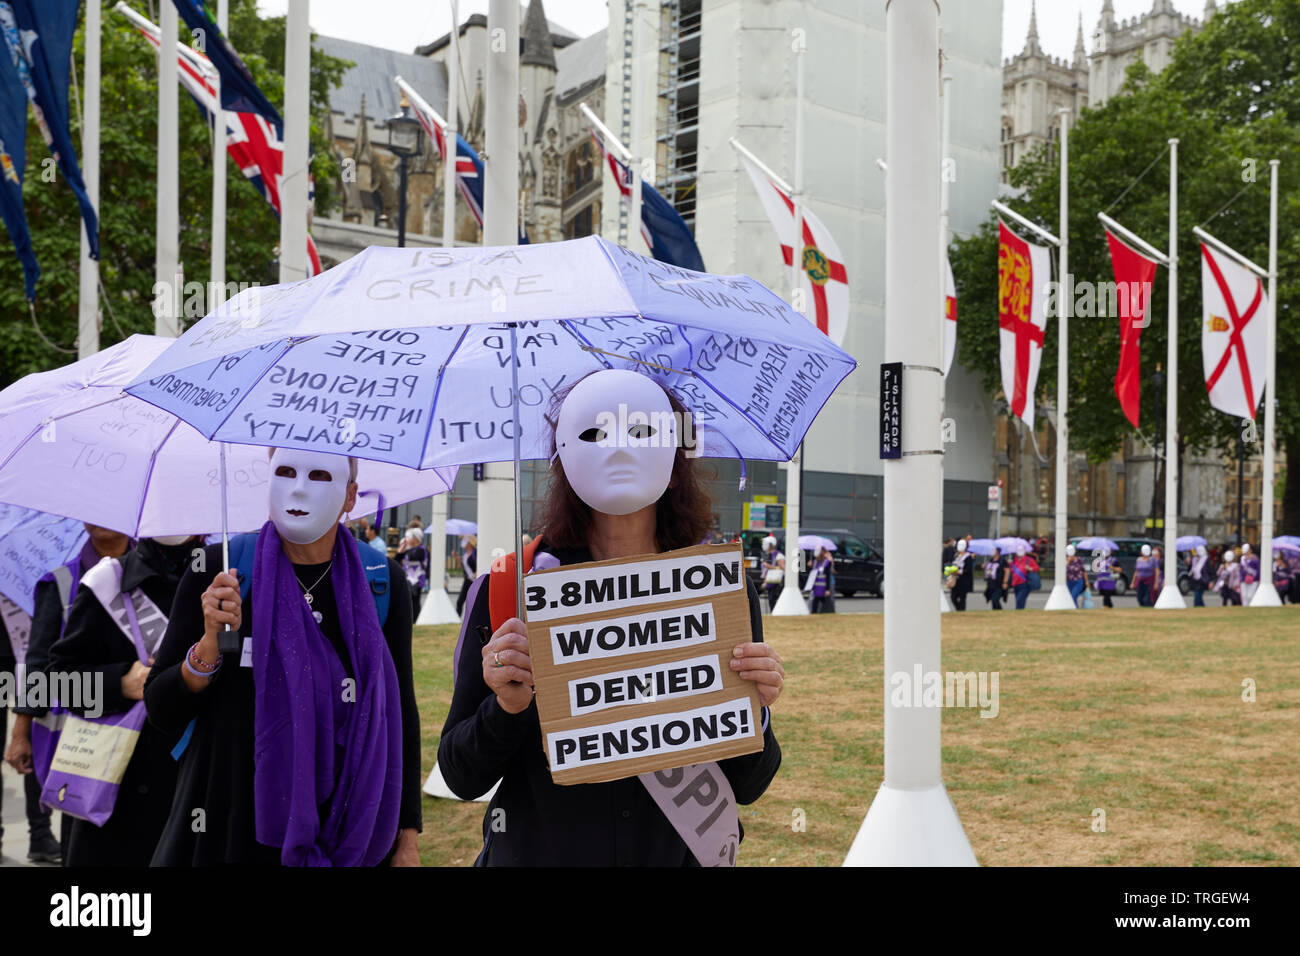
(861, 604)
(13, 849)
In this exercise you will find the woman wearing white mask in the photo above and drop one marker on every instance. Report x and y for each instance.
(305, 749)
(1200, 575)
(1076, 575)
(1104, 571)
(773, 572)
(611, 496)
(1228, 582)
(119, 649)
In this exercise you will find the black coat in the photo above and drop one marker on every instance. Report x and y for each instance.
(93, 643)
(216, 769)
(595, 824)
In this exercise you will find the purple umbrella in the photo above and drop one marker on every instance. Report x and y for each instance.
(1012, 545)
(811, 542)
(1187, 542)
(984, 547)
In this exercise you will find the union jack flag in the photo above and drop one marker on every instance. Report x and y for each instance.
(469, 168)
(253, 141)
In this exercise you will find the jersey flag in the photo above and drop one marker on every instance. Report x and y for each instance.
(1234, 334)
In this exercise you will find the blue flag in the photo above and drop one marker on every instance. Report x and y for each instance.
(13, 159)
(38, 42)
(239, 93)
(662, 228)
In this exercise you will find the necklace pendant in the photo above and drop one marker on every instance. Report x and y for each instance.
(318, 616)
(308, 597)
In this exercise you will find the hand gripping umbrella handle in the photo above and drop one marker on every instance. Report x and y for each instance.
(228, 641)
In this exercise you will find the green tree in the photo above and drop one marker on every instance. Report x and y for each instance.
(1228, 128)
(128, 137)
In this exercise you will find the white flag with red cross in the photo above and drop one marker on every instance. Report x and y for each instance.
(1234, 334)
(823, 280)
(949, 319)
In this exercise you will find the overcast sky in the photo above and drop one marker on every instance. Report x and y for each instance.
(404, 24)
(1058, 21)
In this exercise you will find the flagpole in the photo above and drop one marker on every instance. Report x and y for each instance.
(450, 132)
(167, 215)
(791, 602)
(634, 164)
(497, 493)
(88, 296)
(217, 283)
(1060, 599)
(945, 130)
(912, 820)
(438, 607)
(1170, 596)
(293, 182)
(1266, 594)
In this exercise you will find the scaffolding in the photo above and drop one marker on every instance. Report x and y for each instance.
(677, 119)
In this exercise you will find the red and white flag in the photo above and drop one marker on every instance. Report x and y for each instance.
(254, 143)
(1134, 274)
(1234, 334)
(949, 319)
(1023, 274)
(823, 280)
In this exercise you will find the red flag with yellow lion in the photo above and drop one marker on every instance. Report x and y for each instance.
(1023, 274)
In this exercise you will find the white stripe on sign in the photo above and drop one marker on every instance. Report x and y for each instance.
(653, 734)
(634, 634)
(645, 685)
(587, 590)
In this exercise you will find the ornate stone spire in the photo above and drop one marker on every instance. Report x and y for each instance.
(537, 38)
(1031, 41)
(1080, 52)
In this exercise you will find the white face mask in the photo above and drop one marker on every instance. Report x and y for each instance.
(307, 501)
(617, 438)
(171, 540)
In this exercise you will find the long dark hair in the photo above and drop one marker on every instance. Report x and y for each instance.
(683, 515)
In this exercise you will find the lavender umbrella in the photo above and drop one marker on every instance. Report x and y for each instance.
(984, 547)
(1097, 544)
(1187, 542)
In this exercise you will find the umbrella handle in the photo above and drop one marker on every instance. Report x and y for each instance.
(228, 641)
(519, 510)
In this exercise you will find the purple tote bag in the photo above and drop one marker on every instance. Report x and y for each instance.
(89, 756)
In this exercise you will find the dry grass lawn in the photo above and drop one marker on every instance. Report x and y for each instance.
(1135, 712)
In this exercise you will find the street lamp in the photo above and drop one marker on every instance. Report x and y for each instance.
(404, 140)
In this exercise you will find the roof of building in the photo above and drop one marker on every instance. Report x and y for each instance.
(560, 37)
(580, 64)
(372, 75)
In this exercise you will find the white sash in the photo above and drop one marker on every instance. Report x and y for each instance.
(105, 581)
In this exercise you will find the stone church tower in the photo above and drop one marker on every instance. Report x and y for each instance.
(540, 157)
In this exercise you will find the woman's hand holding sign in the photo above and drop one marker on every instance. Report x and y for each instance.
(761, 664)
(507, 666)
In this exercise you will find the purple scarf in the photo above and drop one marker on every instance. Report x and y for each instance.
(296, 717)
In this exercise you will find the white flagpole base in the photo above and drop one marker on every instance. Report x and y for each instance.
(438, 608)
(1059, 599)
(944, 605)
(435, 786)
(790, 603)
(1170, 598)
(911, 828)
(1266, 596)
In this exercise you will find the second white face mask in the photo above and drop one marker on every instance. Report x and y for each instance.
(617, 438)
(306, 501)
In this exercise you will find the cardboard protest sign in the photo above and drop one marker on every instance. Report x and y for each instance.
(631, 663)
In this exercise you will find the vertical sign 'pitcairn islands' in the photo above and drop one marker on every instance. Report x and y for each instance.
(630, 662)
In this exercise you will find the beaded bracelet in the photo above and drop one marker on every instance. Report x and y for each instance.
(197, 666)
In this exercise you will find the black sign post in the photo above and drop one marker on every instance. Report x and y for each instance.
(891, 410)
